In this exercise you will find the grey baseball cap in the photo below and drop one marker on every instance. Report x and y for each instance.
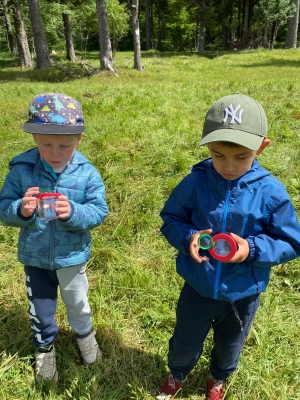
(236, 118)
(55, 114)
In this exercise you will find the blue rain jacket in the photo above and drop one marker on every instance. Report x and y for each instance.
(255, 206)
(53, 244)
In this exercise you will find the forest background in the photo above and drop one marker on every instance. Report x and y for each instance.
(143, 132)
(30, 28)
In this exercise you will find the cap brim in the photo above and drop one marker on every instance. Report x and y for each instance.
(241, 138)
(52, 129)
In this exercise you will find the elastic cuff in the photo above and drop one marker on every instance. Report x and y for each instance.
(84, 335)
(45, 349)
(188, 239)
(70, 216)
(22, 217)
(251, 245)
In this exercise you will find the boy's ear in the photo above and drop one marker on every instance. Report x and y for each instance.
(80, 136)
(264, 144)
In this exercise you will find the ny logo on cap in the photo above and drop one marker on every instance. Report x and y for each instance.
(230, 111)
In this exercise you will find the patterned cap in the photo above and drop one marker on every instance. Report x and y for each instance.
(236, 118)
(55, 114)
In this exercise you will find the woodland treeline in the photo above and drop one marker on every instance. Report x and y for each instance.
(32, 29)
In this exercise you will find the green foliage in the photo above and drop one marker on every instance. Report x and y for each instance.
(85, 25)
(273, 11)
(143, 132)
(176, 23)
(118, 21)
(271, 15)
(51, 13)
(181, 28)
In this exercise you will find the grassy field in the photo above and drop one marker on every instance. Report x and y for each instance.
(143, 132)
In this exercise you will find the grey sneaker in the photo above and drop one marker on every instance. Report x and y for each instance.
(89, 349)
(45, 366)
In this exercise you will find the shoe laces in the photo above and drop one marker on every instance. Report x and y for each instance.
(89, 344)
(45, 364)
(218, 386)
(171, 381)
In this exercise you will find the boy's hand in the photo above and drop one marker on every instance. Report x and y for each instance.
(194, 248)
(62, 207)
(29, 202)
(243, 249)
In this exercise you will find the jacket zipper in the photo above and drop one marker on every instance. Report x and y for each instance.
(223, 229)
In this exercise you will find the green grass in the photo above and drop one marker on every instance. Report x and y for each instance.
(143, 132)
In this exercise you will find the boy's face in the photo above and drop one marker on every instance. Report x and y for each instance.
(231, 162)
(57, 150)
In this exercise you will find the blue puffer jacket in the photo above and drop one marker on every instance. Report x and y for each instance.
(256, 207)
(56, 243)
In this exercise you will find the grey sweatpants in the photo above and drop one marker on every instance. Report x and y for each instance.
(42, 287)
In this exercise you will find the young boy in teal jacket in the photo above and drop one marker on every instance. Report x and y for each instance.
(55, 251)
(228, 193)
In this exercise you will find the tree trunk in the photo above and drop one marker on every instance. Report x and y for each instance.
(40, 42)
(226, 23)
(291, 37)
(246, 19)
(106, 56)
(160, 24)
(274, 35)
(68, 36)
(136, 34)
(22, 43)
(266, 36)
(201, 38)
(225, 36)
(10, 36)
(149, 24)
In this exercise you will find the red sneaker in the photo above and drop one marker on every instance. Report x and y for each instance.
(215, 390)
(171, 386)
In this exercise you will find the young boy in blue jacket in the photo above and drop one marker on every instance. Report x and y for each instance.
(228, 193)
(55, 251)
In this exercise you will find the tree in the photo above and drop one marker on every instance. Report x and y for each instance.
(272, 15)
(22, 43)
(161, 7)
(41, 47)
(106, 56)
(181, 23)
(68, 35)
(291, 37)
(136, 35)
(10, 35)
(149, 24)
(118, 22)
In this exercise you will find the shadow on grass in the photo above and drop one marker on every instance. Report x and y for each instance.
(62, 71)
(124, 372)
(52, 74)
(274, 63)
(14, 330)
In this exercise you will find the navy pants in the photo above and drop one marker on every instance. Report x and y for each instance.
(196, 315)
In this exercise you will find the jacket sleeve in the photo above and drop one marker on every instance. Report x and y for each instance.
(11, 195)
(281, 242)
(176, 215)
(92, 211)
